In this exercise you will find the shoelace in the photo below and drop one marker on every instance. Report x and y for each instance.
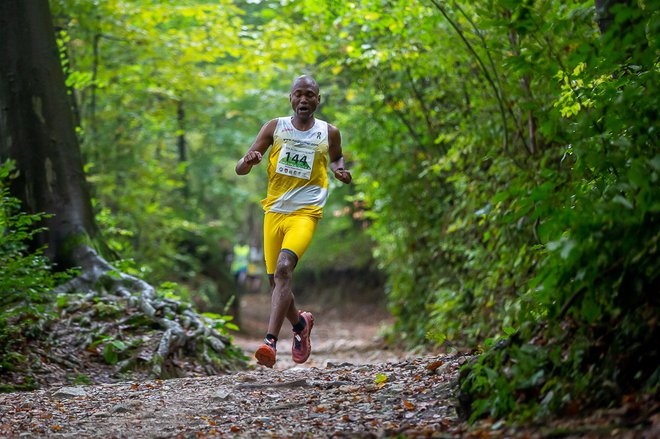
(297, 340)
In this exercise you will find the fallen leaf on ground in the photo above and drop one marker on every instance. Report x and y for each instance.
(408, 405)
(433, 366)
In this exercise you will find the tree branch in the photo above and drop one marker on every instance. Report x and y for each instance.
(484, 70)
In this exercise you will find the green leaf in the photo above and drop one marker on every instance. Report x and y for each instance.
(623, 201)
(568, 246)
(110, 354)
(118, 345)
(380, 378)
(590, 309)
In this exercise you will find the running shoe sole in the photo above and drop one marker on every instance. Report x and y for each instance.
(265, 355)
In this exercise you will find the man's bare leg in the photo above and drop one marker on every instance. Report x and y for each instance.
(282, 300)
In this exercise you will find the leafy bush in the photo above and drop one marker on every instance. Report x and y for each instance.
(598, 273)
(509, 158)
(25, 278)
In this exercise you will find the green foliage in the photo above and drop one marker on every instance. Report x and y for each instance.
(20, 270)
(508, 155)
(25, 278)
(80, 380)
(596, 214)
(223, 323)
(168, 100)
(112, 350)
(505, 157)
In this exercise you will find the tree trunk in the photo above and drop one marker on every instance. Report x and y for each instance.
(37, 130)
(604, 15)
(181, 143)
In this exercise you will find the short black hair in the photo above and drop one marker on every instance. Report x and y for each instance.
(306, 78)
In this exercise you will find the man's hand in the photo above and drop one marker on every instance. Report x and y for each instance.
(343, 175)
(252, 158)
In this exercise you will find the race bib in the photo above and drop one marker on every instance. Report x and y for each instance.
(295, 161)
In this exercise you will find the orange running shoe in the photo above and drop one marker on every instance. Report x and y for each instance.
(302, 343)
(266, 353)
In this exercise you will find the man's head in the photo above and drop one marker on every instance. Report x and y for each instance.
(304, 96)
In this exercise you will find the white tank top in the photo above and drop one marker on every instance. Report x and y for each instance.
(297, 169)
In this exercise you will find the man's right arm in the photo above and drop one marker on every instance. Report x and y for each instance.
(254, 155)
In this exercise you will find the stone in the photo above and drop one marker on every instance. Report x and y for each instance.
(221, 395)
(69, 392)
(120, 408)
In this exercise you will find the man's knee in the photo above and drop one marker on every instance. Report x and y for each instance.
(284, 271)
(284, 268)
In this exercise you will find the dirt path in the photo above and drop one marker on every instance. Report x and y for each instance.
(388, 399)
(351, 386)
(340, 334)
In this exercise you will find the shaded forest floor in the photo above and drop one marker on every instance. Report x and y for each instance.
(352, 386)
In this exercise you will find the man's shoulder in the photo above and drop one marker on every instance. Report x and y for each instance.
(332, 128)
(272, 124)
(280, 121)
(326, 123)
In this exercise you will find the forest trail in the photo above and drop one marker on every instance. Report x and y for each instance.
(384, 399)
(351, 386)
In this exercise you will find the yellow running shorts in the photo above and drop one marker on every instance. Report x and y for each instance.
(286, 232)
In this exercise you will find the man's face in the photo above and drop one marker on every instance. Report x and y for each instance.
(304, 98)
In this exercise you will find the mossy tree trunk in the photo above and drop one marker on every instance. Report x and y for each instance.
(37, 129)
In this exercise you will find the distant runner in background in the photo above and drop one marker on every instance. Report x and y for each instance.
(255, 270)
(297, 191)
(239, 263)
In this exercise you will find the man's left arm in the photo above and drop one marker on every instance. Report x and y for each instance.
(337, 165)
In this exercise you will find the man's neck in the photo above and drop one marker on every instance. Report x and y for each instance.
(302, 124)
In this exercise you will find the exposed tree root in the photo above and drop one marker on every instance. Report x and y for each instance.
(184, 329)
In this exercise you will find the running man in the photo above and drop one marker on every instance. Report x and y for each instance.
(297, 191)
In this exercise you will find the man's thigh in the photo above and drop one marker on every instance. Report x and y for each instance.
(298, 233)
